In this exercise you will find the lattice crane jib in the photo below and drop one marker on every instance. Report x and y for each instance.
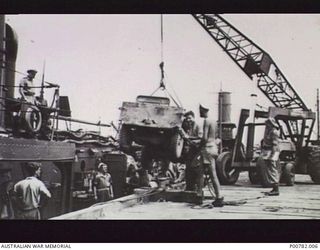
(253, 61)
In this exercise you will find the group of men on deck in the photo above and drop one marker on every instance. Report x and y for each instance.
(207, 145)
(208, 150)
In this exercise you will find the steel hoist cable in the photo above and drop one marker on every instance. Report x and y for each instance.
(161, 35)
(161, 65)
(162, 85)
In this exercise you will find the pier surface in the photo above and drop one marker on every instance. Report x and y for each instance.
(244, 201)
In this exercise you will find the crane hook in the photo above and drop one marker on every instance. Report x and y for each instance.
(162, 85)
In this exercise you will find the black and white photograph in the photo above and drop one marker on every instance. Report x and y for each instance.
(159, 117)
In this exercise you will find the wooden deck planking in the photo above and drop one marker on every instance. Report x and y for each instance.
(301, 201)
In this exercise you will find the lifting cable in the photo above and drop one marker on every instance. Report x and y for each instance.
(161, 30)
(174, 92)
(162, 85)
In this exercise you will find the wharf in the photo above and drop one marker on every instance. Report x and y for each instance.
(246, 201)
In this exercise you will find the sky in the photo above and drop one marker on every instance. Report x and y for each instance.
(102, 60)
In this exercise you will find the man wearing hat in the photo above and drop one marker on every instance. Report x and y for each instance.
(102, 184)
(209, 151)
(29, 193)
(270, 154)
(26, 88)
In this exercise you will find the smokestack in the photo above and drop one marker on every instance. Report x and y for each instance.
(224, 106)
(11, 44)
(11, 56)
(224, 113)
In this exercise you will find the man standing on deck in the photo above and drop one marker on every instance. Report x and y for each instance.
(102, 184)
(26, 88)
(270, 155)
(209, 151)
(191, 131)
(29, 193)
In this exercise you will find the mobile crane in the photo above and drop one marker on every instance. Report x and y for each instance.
(296, 120)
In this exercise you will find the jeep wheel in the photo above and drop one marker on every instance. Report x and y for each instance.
(226, 174)
(176, 146)
(125, 140)
(288, 174)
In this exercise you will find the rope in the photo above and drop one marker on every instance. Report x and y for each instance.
(31, 104)
(172, 98)
(162, 84)
(177, 97)
(161, 65)
(174, 92)
(24, 74)
(161, 20)
(229, 203)
(155, 91)
(13, 70)
(163, 87)
(31, 87)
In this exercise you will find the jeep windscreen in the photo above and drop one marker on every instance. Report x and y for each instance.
(154, 100)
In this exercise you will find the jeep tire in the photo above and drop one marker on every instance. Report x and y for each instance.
(176, 147)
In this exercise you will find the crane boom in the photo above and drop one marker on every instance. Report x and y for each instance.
(253, 61)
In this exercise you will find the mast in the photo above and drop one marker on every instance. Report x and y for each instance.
(42, 83)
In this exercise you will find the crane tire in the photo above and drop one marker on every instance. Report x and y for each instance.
(314, 172)
(226, 174)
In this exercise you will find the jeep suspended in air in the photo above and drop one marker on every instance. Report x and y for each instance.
(152, 123)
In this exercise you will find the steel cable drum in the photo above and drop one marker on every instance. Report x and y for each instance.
(32, 117)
